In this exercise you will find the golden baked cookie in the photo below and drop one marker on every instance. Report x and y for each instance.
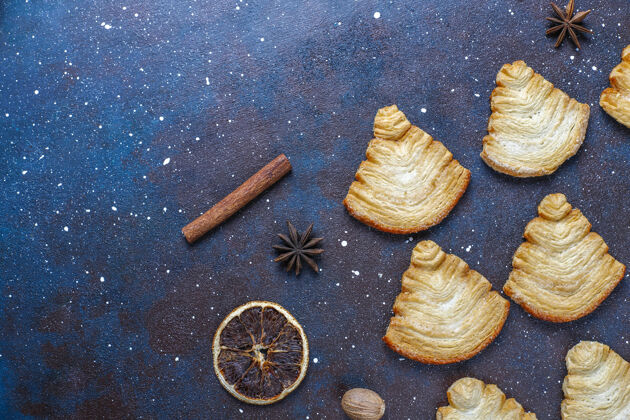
(563, 270)
(616, 99)
(533, 127)
(471, 399)
(445, 312)
(409, 182)
(597, 385)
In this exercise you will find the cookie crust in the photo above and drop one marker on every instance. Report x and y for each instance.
(534, 127)
(597, 385)
(446, 312)
(409, 182)
(470, 398)
(563, 271)
(615, 100)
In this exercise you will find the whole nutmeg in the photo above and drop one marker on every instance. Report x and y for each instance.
(363, 404)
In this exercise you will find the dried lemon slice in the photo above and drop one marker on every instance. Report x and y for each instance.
(260, 353)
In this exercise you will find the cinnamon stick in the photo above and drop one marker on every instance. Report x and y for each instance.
(250, 189)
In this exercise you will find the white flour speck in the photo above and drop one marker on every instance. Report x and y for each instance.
(423, 110)
(114, 208)
(161, 118)
(377, 15)
(166, 161)
(36, 92)
(468, 248)
(356, 273)
(344, 243)
(594, 68)
(65, 228)
(315, 360)
(102, 279)
(24, 173)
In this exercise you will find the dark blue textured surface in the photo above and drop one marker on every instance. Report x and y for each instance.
(121, 122)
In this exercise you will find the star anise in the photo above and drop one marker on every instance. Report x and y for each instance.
(298, 249)
(567, 23)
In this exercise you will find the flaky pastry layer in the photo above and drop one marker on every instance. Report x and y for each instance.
(562, 271)
(597, 385)
(445, 312)
(616, 99)
(409, 182)
(471, 399)
(534, 127)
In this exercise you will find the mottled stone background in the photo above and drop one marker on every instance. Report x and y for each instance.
(122, 121)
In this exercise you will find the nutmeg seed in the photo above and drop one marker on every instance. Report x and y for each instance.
(363, 404)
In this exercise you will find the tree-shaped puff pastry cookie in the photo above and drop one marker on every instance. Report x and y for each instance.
(533, 127)
(563, 271)
(471, 399)
(409, 182)
(616, 99)
(445, 312)
(597, 385)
